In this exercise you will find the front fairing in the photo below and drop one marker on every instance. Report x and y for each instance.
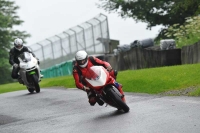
(97, 77)
(27, 61)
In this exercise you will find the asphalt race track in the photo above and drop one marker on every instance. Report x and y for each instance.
(58, 110)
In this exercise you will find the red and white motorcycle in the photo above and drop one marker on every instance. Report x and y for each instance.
(99, 79)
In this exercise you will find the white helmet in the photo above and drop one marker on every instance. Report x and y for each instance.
(81, 58)
(18, 43)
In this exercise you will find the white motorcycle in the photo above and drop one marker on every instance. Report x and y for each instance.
(29, 71)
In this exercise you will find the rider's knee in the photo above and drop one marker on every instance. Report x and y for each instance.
(91, 98)
(92, 101)
(14, 76)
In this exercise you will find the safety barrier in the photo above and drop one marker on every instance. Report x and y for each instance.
(61, 69)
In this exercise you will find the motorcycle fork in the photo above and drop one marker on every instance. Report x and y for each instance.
(118, 91)
(28, 75)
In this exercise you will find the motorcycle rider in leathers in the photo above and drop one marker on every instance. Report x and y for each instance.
(18, 49)
(82, 63)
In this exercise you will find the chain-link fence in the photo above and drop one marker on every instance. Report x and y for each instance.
(92, 36)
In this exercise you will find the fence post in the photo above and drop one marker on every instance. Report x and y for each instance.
(42, 53)
(51, 47)
(83, 35)
(75, 38)
(106, 24)
(61, 45)
(101, 31)
(70, 48)
(42, 50)
(93, 35)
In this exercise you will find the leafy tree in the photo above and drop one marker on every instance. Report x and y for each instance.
(8, 19)
(188, 33)
(154, 12)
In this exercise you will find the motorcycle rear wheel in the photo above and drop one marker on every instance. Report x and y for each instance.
(119, 101)
(36, 83)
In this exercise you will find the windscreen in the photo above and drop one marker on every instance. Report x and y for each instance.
(93, 73)
(25, 56)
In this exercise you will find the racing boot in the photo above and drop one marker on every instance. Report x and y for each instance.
(41, 76)
(92, 101)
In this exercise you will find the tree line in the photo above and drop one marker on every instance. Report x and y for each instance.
(8, 19)
(153, 12)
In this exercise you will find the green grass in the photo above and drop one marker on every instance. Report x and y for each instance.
(159, 80)
(151, 81)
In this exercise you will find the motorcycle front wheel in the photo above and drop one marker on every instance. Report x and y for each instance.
(117, 99)
(36, 83)
(31, 90)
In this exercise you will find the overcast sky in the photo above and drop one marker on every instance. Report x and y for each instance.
(46, 18)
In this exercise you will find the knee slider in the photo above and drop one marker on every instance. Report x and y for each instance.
(14, 76)
(92, 101)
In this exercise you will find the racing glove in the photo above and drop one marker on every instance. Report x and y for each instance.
(15, 65)
(85, 88)
(109, 68)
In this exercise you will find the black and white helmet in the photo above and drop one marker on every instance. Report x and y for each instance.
(18, 43)
(81, 58)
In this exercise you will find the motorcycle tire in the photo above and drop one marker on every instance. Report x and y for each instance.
(31, 90)
(36, 83)
(118, 100)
